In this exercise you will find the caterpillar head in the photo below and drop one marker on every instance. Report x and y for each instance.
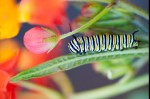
(136, 43)
(73, 47)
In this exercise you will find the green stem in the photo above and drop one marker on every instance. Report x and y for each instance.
(114, 89)
(127, 76)
(88, 24)
(51, 94)
(63, 83)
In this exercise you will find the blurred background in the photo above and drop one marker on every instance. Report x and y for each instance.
(84, 78)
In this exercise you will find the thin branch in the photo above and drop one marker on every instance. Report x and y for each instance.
(51, 94)
(89, 23)
(114, 89)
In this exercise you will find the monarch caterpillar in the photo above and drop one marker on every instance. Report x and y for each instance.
(103, 42)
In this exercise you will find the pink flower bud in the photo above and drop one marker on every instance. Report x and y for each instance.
(40, 40)
(78, 22)
(91, 9)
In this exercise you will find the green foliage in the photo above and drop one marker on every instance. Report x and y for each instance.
(114, 68)
(125, 68)
(116, 18)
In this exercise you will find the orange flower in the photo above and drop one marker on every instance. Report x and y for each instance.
(45, 12)
(32, 59)
(9, 19)
(9, 54)
(4, 78)
(12, 59)
(8, 48)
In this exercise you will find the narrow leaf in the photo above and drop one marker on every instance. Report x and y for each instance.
(70, 61)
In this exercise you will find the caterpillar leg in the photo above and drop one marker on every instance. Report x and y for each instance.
(121, 49)
(113, 48)
(82, 53)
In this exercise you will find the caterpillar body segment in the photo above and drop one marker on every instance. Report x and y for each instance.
(104, 42)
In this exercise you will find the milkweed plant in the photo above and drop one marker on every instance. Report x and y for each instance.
(36, 68)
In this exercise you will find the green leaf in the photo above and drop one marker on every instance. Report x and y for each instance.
(70, 61)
